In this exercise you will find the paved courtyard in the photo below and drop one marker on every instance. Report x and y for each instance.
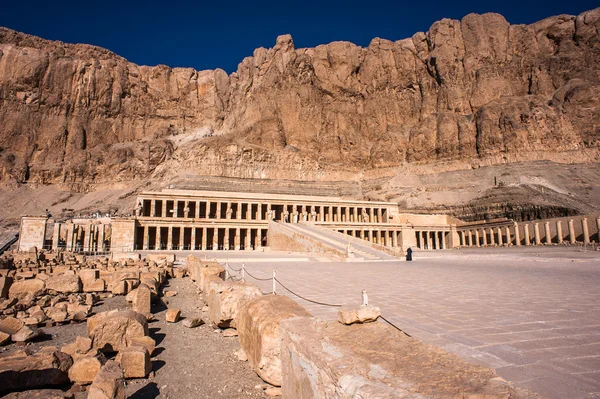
(531, 314)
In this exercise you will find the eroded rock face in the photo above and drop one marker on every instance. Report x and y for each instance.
(474, 90)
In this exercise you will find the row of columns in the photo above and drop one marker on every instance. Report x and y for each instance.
(76, 237)
(248, 243)
(263, 211)
(494, 235)
(387, 238)
(431, 239)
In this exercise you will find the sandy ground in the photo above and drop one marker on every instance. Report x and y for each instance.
(187, 363)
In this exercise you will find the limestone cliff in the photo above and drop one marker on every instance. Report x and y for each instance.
(466, 93)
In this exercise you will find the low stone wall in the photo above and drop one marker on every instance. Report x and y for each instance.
(281, 238)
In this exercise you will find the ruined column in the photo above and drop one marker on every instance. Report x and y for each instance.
(102, 236)
(559, 233)
(477, 237)
(548, 234)
(215, 241)
(492, 239)
(586, 231)
(56, 236)
(204, 238)
(146, 233)
(517, 235)
(158, 239)
(536, 232)
(572, 238)
(170, 238)
(236, 244)
(526, 234)
(193, 239)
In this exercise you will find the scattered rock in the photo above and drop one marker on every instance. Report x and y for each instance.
(225, 299)
(241, 355)
(172, 315)
(64, 283)
(5, 283)
(22, 288)
(85, 369)
(109, 383)
(112, 331)
(230, 332)
(22, 371)
(26, 334)
(358, 314)
(10, 325)
(273, 391)
(135, 361)
(192, 322)
(79, 348)
(4, 338)
(145, 342)
(170, 293)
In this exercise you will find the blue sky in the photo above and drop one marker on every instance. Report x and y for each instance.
(219, 34)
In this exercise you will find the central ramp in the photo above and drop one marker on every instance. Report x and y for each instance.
(303, 237)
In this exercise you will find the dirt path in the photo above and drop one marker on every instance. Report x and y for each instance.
(193, 362)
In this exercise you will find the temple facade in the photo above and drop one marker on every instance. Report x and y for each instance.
(209, 220)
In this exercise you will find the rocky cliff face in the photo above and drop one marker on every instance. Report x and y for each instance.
(466, 93)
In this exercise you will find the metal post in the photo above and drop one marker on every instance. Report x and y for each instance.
(274, 283)
(365, 298)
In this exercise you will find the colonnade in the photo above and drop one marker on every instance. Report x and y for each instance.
(89, 237)
(432, 239)
(182, 237)
(541, 232)
(242, 210)
(387, 238)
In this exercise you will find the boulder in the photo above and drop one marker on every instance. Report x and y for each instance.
(22, 371)
(226, 297)
(5, 283)
(64, 283)
(374, 360)
(141, 300)
(84, 370)
(10, 325)
(88, 275)
(135, 361)
(56, 314)
(113, 330)
(145, 342)
(22, 288)
(192, 322)
(26, 334)
(79, 348)
(4, 338)
(172, 315)
(358, 314)
(109, 383)
(259, 333)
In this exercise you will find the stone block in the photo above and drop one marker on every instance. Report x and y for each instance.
(97, 285)
(64, 283)
(141, 300)
(172, 315)
(79, 348)
(145, 342)
(259, 333)
(20, 289)
(84, 370)
(135, 361)
(4, 338)
(322, 359)
(192, 322)
(5, 283)
(21, 371)
(225, 299)
(109, 383)
(26, 334)
(358, 314)
(11, 325)
(113, 330)
(57, 314)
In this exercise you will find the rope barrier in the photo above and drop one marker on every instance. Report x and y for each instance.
(259, 279)
(235, 270)
(392, 324)
(306, 299)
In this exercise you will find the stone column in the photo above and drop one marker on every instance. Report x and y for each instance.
(356, 214)
(572, 238)
(238, 215)
(181, 235)
(236, 244)
(170, 238)
(508, 239)
(330, 213)
(86, 237)
(204, 238)
(559, 233)
(362, 234)
(436, 242)
(526, 234)
(463, 238)
(215, 243)
(548, 234)
(102, 236)
(56, 236)
(371, 215)
(484, 237)
(536, 232)
(193, 239)
(153, 208)
(218, 213)
(492, 239)
(394, 239)
(258, 212)
(477, 237)
(164, 208)
(146, 233)
(158, 239)
(517, 235)
(257, 242)
(198, 209)
(186, 209)
(226, 239)
(379, 215)
(175, 208)
(499, 231)
(586, 231)
(370, 235)
(443, 239)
